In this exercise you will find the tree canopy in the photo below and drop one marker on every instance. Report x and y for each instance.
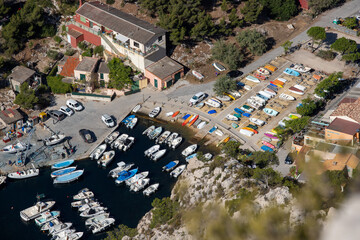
(224, 84)
(164, 210)
(229, 54)
(57, 85)
(252, 11)
(309, 107)
(119, 74)
(296, 125)
(253, 40)
(318, 6)
(316, 33)
(281, 10)
(329, 85)
(263, 159)
(231, 148)
(268, 176)
(26, 98)
(121, 231)
(344, 45)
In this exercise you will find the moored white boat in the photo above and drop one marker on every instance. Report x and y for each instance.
(120, 141)
(46, 217)
(2, 180)
(155, 112)
(151, 189)
(176, 142)
(103, 225)
(93, 212)
(35, 211)
(96, 219)
(140, 184)
(54, 230)
(189, 150)
(81, 202)
(162, 138)
(51, 224)
(121, 167)
(177, 171)
(54, 139)
(96, 154)
(88, 206)
(109, 139)
(156, 156)
(171, 138)
(32, 172)
(128, 143)
(152, 150)
(131, 124)
(83, 194)
(106, 158)
(154, 134)
(137, 177)
(148, 130)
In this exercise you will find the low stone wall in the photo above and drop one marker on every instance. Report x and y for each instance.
(91, 96)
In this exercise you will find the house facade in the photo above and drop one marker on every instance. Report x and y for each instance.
(85, 71)
(21, 74)
(119, 33)
(11, 119)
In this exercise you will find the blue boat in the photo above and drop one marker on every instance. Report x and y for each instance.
(240, 84)
(125, 175)
(272, 88)
(266, 148)
(63, 164)
(238, 110)
(247, 115)
(273, 85)
(211, 111)
(212, 129)
(62, 172)
(69, 177)
(291, 72)
(190, 157)
(238, 115)
(186, 116)
(128, 119)
(170, 165)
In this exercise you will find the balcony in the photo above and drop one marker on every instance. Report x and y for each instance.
(91, 30)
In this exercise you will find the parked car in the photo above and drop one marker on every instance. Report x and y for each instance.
(66, 110)
(289, 159)
(234, 74)
(197, 98)
(87, 135)
(108, 120)
(55, 114)
(73, 104)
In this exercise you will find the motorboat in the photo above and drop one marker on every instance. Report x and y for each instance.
(35, 211)
(212, 129)
(286, 97)
(296, 91)
(219, 132)
(74, 236)
(218, 66)
(136, 108)
(103, 225)
(208, 156)
(300, 68)
(247, 87)
(246, 132)
(171, 138)
(14, 148)
(224, 98)
(252, 79)
(232, 117)
(54, 139)
(291, 72)
(96, 219)
(46, 217)
(121, 167)
(263, 71)
(88, 206)
(2, 180)
(111, 138)
(128, 119)
(171, 165)
(83, 194)
(125, 175)
(119, 143)
(201, 125)
(32, 172)
(148, 130)
(137, 177)
(106, 158)
(154, 134)
(140, 184)
(54, 230)
(197, 74)
(62, 164)
(152, 150)
(257, 121)
(213, 103)
(155, 112)
(132, 123)
(156, 156)
(177, 171)
(151, 189)
(63, 234)
(96, 154)
(69, 177)
(63, 171)
(82, 202)
(91, 212)
(50, 225)
(128, 143)
(270, 112)
(187, 159)
(176, 142)
(189, 150)
(162, 138)
(169, 114)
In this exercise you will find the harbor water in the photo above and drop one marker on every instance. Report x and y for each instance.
(125, 206)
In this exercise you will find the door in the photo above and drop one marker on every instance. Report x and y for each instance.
(169, 83)
(82, 77)
(91, 24)
(177, 76)
(155, 82)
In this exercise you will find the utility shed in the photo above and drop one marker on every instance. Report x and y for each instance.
(19, 75)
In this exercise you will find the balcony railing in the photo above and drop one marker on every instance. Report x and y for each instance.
(91, 30)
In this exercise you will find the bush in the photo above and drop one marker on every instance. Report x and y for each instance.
(63, 28)
(57, 39)
(82, 45)
(99, 50)
(328, 55)
(253, 40)
(48, 31)
(120, 232)
(26, 98)
(164, 210)
(70, 52)
(218, 162)
(54, 55)
(53, 71)
(228, 54)
(88, 53)
(58, 86)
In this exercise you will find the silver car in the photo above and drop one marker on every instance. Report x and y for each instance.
(197, 98)
(66, 110)
(108, 120)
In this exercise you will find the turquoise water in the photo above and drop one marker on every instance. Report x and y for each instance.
(125, 206)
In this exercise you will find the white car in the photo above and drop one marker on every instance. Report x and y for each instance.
(108, 120)
(197, 98)
(67, 111)
(75, 105)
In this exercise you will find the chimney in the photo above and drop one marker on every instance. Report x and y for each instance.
(80, 58)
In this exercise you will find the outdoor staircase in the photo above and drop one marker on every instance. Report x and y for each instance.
(111, 45)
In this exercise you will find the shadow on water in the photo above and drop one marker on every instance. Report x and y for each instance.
(125, 206)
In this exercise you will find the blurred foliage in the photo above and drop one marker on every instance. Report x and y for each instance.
(229, 54)
(231, 149)
(252, 40)
(164, 210)
(120, 231)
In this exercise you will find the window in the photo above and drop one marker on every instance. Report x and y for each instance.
(101, 76)
(82, 19)
(82, 77)
(160, 38)
(136, 44)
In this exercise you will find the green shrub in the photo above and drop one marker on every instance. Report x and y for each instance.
(99, 50)
(82, 45)
(53, 71)
(164, 210)
(26, 98)
(121, 231)
(218, 162)
(58, 86)
(54, 55)
(57, 39)
(328, 55)
(63, 28)
(70, 52)
(88, 53)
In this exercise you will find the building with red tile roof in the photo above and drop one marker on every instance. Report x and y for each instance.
(67, 66)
